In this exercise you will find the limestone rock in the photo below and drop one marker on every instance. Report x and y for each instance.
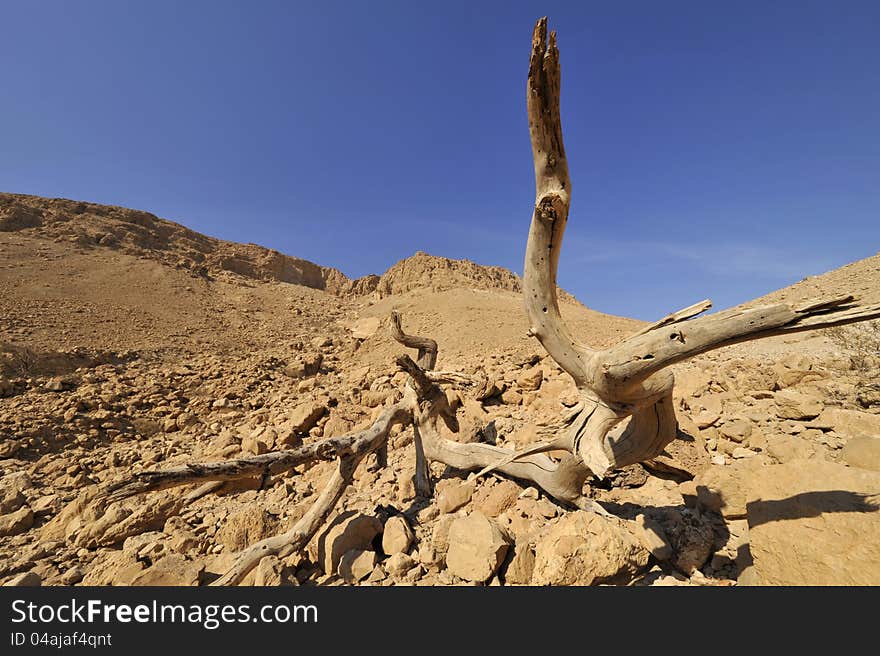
(112, 568)
(171, 570)
(24, 580)
(862, 452)
(12, 488)
(583, 548)
(454, 495)
(794, 405)
(271, 572)
(399, 564)
(519, 565)
(440, 537)
(531, 380)
(815, 523)
(356, 565)
(397, 536)
(16, 522)
(245, 527)
(848, 423)
(351, 530)
(305, 417)
(723, 488)
(365, 327)
(476, 547)
(737, 430)
(494, 500)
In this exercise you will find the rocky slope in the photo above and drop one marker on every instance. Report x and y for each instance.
(161, 346)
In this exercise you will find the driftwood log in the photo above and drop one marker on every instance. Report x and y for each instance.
(625, 414)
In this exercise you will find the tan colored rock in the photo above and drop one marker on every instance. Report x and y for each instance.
(690, 535)
(723, 488)
(171, 570)
(652, 536)
(365, 327)
(583, 548)
(454, 495)
(397, 536)
(16, 522)
(785, 448)
(477, 547)
(356, 565)
(862, 452)
(440, 536)
(24, 580)
(815, 523)
(519, 564)
(12, 488)
(305, 417)
(112, 568)
(794, 405)
(271, 572)
(243, 528)
(494, 500)
(349, 531)
(11, 498)
(737, 430)
(512, 397)
(848, 423)
(399, 564)
(254, 446)
(531, 380)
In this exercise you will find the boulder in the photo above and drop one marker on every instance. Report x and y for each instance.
(397, 536)
(531, 380)
(862, 452)
(399, 564)
(365, 327)
(245, 527)
(351, 530)
(583, 548)
(356, 565)
(305, 417)
(477, 547)
(737, 430)
(814, 523)
(24, 580)
(794, 405)
(494, 500)
(519, 565)
(112, 568)
(171, 570)
(16, 522)
(723, 488)
(454, 495)
(271, 572)
(848, 423)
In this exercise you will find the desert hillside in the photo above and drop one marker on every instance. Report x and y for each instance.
(131, 343)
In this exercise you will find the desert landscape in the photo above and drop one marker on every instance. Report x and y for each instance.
(179, 410)
(131, 344)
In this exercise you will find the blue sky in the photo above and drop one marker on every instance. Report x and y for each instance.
(716, 149)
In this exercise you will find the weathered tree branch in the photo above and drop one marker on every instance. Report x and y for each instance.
(552, 194)
(297, 537)
(427, 347)
(266, 464)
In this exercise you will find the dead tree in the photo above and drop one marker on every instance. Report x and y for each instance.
(625, 414)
